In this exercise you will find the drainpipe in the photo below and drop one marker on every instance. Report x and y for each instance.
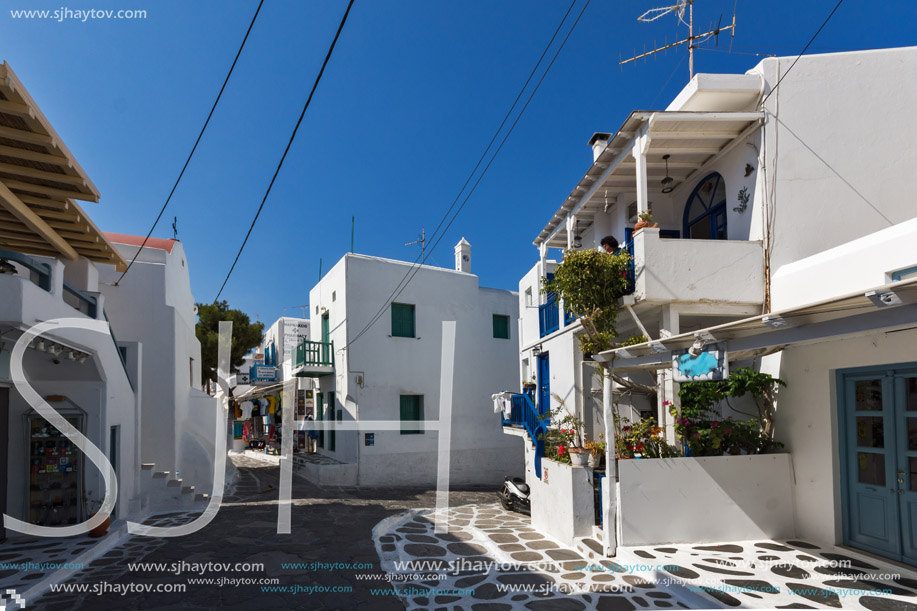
(610, 488)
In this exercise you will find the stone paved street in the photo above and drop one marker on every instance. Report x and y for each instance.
(328, 526)
(489, 560)
(505, 564)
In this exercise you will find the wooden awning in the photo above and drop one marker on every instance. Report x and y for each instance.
(39, 183)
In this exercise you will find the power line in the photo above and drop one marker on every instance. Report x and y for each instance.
(811, 40)
(289, 144)
(196, 142)
(414, 268)
(397, 290)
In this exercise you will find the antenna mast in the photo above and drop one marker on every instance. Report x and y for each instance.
(679, 9)
(303, 308)
(423, 244)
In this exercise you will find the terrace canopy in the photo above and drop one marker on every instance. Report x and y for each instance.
(39, 183)
(632, 162)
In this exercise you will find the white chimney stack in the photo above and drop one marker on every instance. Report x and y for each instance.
(463, 256)
(598, 142)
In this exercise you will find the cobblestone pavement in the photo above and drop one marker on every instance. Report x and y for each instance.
(493, 560)
(329, 525)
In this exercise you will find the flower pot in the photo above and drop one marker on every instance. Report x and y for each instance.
(594, 460)
(642, 224)
(102, 529)
(578, 456)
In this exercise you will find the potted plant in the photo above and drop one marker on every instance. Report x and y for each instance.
(562, 440)
(644, 220)
(596, 450)
(92, 507)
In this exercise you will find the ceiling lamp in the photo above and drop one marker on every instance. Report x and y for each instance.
(668, 183)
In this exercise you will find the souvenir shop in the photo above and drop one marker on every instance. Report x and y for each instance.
(258, 417)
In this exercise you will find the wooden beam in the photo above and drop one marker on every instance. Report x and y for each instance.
(60, 218)
(76, 228)
(20, 210)
(18, 153)
(62, 193)
(51, 203)
(22, 135)
(67, 179)
(19, 228)
(29, 248)
(15, 108)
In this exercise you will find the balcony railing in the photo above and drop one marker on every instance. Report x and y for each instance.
(524, 413)
(548, 317)
(314, 354)
(79, 300)
(39, 273)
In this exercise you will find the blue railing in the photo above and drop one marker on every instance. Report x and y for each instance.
(39, 273)
(314, 354)
(548, 317)
(79, 300)
(524, 413)
(569, 318)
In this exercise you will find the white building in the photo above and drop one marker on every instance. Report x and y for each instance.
(132, 391)
(768, 201)
(390, 370)
(50, 251)
(153, 312)
(280, 342)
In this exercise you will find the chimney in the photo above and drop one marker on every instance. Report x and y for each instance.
(463, 256)
(598, 142)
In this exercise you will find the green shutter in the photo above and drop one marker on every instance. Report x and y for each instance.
(411, 411)
(501, 326)
(402, 320)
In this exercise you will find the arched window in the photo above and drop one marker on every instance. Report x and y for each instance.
(705, 212)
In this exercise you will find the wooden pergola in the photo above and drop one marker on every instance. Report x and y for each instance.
(39, 183)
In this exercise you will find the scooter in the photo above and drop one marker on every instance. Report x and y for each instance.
(514, 495)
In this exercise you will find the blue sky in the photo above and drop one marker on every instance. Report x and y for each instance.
(411, 97)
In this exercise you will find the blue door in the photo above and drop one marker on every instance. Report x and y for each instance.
(879, 456)
(544, 383)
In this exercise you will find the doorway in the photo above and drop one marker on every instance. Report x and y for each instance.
(878, 447)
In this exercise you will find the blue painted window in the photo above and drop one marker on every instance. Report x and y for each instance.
(402, 320)
(411, 410)
(501, 326)
(705, 211)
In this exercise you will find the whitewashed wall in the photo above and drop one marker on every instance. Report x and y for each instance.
(392, 366)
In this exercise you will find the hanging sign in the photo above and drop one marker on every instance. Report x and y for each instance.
(711, 363)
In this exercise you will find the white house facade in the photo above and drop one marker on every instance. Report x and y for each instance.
(390, 370)
(785, 231)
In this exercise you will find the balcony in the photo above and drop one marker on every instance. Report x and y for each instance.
(548, 317)
(707, 271)
(524, 415)
(44, 294)
(313, 359)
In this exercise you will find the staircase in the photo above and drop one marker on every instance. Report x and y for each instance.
(524, 414)
(591, 547)
(161, 491)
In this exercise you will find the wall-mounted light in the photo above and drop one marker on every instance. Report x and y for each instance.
(668, 183)
(40, 345)
(883, 298)
(774, 321)
(536, 350)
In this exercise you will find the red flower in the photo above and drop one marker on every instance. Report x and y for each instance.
(713, 425)
(560, 450)
(727, 431)
(640, 447)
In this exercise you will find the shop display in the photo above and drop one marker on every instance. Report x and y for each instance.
(55, 478)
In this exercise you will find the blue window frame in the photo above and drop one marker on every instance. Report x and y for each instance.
(705, 211)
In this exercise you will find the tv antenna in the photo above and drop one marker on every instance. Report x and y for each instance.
(679, 9)
(303, 308)
(423, 244)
